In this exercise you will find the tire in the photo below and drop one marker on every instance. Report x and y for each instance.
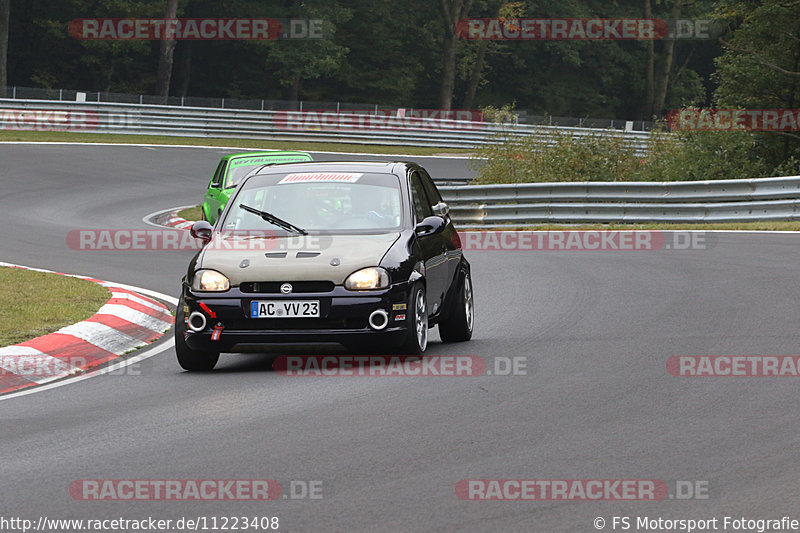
(191, 360)
(457, 326)
(416, 340)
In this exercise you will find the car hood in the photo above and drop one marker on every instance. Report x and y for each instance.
(295, 258)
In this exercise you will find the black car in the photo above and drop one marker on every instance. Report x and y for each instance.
(360, 253)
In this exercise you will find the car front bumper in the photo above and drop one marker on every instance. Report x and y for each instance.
(343, 318)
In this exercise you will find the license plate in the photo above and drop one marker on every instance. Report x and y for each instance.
(284, 309)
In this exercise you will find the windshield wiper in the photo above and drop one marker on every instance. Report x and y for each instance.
(272, 219)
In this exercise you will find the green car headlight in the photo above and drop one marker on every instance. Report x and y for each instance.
(367, 279)
(210, 280)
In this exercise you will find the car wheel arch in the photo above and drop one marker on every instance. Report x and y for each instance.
(464, 269)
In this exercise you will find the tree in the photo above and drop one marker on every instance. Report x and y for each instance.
(661, 74)
(165, 56)
(392, 74)
(297, 60)
(452, 11)
(760, 67)
(388, 52)
(510, 10)
(44, 54)
(5, 8)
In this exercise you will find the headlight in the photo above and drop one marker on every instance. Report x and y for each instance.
(366, 279)
(210, 280)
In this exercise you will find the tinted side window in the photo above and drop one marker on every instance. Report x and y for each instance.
(430, 189)
(422, 207)
(217, 179)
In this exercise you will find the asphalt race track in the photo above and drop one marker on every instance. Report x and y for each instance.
(596, 329)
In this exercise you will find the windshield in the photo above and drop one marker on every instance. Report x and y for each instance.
(319, 201)
(238, 168)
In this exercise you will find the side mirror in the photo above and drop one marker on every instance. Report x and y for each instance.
(430, 226)
(201, 230)
(441, 209)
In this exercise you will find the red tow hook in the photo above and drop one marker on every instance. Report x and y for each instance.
(217, 332)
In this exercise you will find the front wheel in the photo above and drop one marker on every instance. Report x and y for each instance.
(416, 323)
(457, 326)
(191, 360)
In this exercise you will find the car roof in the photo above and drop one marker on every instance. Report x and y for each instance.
(237, 155)
(377, 167)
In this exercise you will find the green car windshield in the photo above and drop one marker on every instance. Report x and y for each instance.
(239, 167)
(320, 201)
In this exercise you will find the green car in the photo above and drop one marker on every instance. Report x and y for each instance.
(230, 171)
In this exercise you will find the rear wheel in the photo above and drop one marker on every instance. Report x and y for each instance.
(457, 326)
(191, 360)
(416, 323)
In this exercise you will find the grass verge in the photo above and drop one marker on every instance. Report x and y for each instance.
(65, 136)
(37, 303)
(191, 214)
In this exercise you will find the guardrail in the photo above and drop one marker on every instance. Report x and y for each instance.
(325, 126)
(523, 116)
(484, 206)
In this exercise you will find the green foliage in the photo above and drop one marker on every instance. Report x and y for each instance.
(790, 167)
(711, 155)
(41, 48)
(760, 68)
(687, 91)
(553, 156)
(296, 61)
(384, 52)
